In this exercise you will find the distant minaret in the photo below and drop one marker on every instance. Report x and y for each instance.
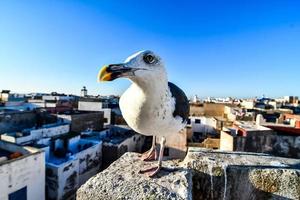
(84, 92)
(195, 99)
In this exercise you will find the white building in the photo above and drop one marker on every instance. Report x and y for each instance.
(248, 104)
(91, 104)
(22, 172)
(70, 160)
(117, 140)
(67, 171)
(57, 98)
(30, 135)
(203, 124)
(196, 99)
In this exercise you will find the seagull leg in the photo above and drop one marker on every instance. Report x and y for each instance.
(151, 154)
(154, 170)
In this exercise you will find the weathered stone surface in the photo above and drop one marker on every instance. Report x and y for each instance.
(204, 174)
(121, 180)
(241, 175)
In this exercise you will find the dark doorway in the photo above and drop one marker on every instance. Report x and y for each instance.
(20, 194)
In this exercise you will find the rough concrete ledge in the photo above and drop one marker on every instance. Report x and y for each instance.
(204, 174)
(121, 180)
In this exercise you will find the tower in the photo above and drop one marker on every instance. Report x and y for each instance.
(84, 92)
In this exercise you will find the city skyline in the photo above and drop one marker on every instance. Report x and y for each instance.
(191, 97)
(211, 49)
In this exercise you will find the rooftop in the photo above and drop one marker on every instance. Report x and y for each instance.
(113, 135)
(283, 129)
(61, 156)
(26, 132)
(10, 151)
(250, 126)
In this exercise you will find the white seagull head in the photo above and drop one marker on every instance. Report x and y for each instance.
(141, 66)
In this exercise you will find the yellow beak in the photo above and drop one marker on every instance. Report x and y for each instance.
(103, 75)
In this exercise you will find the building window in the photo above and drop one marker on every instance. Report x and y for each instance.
(105, 120)
(197, 121)
(20, 194)
(189, 121)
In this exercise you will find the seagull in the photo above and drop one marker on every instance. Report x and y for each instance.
(151, 106)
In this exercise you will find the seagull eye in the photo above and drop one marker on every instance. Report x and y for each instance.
(149, 59)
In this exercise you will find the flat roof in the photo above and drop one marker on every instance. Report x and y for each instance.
(117, 138)
(12, 151)
(116, 135)
(26, 132)
(250, 126)
(83, 143)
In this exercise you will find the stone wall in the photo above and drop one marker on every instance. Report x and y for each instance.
(204, 174)
(240, 175)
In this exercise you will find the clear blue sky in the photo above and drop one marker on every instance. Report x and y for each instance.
(211, 48)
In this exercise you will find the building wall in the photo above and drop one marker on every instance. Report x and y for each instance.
(52, 182)
(278, 145)
(176, 144)
(112, 152)
(226, 141)
(82, 122)
(132, 144)
(248, 104)
(4, 96)
(36, 103)
(206, 125)
(214, 109)
(65, 118)
(73, 143)
(64, 179)
(16, 121)
(89, 162)
(230, 113)
(68, 179)
(53, 97)
(51, 131)
(28, 171)
(14, 103)
(37, 134)
(196, 109)
(17, 140)
(107, 116)
(89, 106)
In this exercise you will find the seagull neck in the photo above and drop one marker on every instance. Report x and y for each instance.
(152, 85)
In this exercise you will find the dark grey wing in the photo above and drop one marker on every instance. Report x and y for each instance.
(182, 107)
